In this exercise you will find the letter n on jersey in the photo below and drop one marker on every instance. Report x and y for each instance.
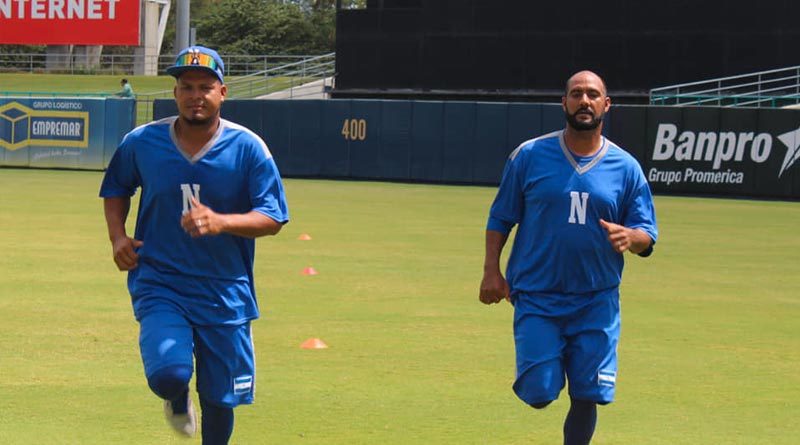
(189, 190)
(577, 207)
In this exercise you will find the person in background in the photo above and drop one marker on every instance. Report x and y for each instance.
(126, 91)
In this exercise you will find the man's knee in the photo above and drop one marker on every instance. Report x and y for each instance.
(540, 405)
(170, 382)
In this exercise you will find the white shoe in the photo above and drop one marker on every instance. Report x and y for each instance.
(185, 424)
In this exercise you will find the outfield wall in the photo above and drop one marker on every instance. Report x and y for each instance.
(683, 150)
(696, 151)
(62, 132)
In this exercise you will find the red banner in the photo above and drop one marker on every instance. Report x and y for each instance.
(69, 22)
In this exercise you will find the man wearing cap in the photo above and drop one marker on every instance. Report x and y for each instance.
(209, 187)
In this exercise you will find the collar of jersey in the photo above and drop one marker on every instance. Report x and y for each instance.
(203, 151)
(581, 169)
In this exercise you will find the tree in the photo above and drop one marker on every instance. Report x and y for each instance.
(265, 27)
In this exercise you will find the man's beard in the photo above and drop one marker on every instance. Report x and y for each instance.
(572, 121)
(197, 122)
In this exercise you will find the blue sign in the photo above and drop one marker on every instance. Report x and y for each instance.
(62, 132)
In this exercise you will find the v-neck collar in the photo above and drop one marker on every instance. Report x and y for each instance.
(581, 169)
(205, 149)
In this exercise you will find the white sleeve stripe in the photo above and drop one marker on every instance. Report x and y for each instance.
(163, 121)
(235, 126)
(544, 136)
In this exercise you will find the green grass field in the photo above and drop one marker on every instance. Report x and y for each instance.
(710, 348)
(77, 84)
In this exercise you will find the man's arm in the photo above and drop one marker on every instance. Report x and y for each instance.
(123, 247)
(201, 221)
(494, 287)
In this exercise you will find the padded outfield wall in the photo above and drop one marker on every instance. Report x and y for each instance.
(690, 150)
(696, 151)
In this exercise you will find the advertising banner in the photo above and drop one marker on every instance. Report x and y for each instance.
(721, 151)
(69, 22)
(62, 132)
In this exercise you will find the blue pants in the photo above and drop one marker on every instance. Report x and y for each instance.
(578, 343)
(225, 363)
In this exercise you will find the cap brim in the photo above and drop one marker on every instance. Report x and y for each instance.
(176, 71)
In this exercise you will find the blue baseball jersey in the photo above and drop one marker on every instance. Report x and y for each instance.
(557, 200)
(210, 278)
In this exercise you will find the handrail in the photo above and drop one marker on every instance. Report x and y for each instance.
(722, 79)
(774, 88)
(257, 84)
(284, 77)
(727, 96)
(756, 83)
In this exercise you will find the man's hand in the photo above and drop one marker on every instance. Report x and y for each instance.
(623, 238)
(494, 288)
(201, 220)
(125, 255)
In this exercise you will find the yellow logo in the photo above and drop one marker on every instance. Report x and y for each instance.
(21, 127)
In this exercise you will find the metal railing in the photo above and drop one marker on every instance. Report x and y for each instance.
(772, 89)
(126, 64)
(261, 83)
(283, 77)
(288, 77)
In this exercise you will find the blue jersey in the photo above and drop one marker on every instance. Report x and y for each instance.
(557, 200)
(209, 279)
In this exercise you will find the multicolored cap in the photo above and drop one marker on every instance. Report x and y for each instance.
(198, 58)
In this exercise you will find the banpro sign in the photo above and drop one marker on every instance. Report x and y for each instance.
(716, 157)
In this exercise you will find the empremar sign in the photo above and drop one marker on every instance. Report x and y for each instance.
(21, 126)
(69, 22)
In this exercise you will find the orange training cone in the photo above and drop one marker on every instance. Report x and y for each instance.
(304, 237)
(313, 343)
(310, 271)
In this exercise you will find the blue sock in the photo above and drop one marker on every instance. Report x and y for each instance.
(580, 422)
(172, 383)
(217, 423)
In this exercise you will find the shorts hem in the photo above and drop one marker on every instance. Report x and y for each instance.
(221, 404)
(537, 400)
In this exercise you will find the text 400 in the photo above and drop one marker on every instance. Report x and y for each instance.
(354, 129)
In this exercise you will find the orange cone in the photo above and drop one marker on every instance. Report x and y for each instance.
(313, 343)
(304, 237)
(310, 271)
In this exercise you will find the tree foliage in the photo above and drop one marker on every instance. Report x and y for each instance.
(268, 27)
